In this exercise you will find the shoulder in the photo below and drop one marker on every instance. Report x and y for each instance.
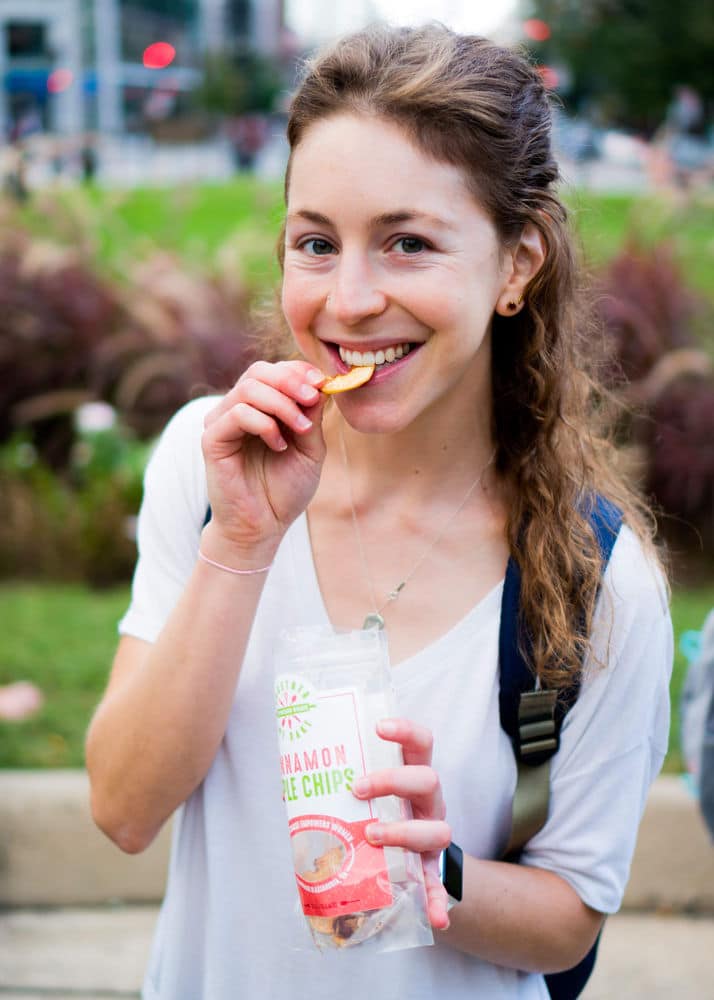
(170, 520)
(177, 453)
(634, 576)
(628, 670)
(175, 491)
(186, 425)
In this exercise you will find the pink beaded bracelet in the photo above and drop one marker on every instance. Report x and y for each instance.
(229, 569)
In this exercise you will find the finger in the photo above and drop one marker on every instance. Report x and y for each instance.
(417, 783)
(296, 379)
(416, 741)
(226, 436)
(312, 442)
(423, 836)
(437, 899)
(269, 400)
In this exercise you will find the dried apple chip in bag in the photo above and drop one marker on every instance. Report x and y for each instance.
(330, 691)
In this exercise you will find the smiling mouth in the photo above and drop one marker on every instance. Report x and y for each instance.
(383, 356)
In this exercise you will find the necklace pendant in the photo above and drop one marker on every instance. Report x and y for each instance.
(373, 620)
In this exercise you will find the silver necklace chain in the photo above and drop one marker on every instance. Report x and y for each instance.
(375, 618)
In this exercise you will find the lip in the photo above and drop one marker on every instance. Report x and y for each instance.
(381, 371)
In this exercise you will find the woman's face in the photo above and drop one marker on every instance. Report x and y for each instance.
(389, 258)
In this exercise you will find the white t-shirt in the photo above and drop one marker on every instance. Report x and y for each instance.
(229, 927)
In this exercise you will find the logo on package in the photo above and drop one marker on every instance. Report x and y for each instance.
(294, 703)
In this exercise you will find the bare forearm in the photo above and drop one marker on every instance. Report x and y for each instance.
(522, 918)
(157, 730)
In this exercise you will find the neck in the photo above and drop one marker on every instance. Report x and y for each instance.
(431, 457)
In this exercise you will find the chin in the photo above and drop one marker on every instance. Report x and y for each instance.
(374, 420)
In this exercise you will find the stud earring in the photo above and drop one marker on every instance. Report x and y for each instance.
(514, 305)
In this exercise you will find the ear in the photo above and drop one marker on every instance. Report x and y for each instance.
(523, 262)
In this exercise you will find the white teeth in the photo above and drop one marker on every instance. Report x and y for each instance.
(387, 355)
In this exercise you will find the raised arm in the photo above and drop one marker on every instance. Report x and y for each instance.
(163, 715)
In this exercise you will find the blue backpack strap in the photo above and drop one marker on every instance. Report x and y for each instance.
(533, 719)
(516, 677)
(570, 983)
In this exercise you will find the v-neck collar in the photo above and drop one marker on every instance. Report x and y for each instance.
(315, 610)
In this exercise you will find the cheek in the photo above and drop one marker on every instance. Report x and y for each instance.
(298, 301)
(437, 308)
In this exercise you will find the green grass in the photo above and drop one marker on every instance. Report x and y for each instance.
(200, 220)
(201, 223)
(63, 639)
(605, 222)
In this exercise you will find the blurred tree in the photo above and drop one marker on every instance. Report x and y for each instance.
(629, 56)
(238, 82)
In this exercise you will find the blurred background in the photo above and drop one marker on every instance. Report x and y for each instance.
(140, 170)
(141, 154)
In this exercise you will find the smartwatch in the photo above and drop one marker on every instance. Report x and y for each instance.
(451, 871)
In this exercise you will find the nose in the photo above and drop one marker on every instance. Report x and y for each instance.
(355, 293)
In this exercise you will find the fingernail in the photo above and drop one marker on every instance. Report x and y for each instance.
(302, 423)
(374, 833)
(360, 787)
(315, 377)
(282, 444)
(387, 727)
(307, 392)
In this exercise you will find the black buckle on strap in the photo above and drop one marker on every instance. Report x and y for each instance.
(537, 736)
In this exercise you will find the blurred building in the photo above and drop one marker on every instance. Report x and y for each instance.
(322, 20)
(70, 66)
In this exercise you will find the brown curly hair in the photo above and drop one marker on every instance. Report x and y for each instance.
(468, 102)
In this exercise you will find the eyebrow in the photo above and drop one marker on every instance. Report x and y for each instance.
(385, 219)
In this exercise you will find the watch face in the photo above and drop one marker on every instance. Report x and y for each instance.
(451, 869)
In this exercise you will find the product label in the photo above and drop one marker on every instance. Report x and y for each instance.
(322, 752)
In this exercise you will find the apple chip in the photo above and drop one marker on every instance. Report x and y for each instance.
(352, 379)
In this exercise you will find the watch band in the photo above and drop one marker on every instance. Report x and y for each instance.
(451, 871)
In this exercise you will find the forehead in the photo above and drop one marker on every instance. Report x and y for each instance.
(354, 160)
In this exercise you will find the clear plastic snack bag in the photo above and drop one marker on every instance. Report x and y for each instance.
(330, 691)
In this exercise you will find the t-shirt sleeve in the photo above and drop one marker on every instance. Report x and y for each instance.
(614, 740)
(170, 521)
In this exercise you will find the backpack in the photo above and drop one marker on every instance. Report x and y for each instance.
(532, 717)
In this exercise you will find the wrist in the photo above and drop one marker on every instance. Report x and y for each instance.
(238, 555)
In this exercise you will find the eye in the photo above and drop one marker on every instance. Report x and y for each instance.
(317, 247)
(410, 244)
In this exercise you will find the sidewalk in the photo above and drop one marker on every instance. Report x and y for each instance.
(77, 915)
(52, 855)
(100, 954)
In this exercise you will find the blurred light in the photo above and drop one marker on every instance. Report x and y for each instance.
(158, 55)
(94, 417)
(536, 29)
(549, 76)
(59, 80)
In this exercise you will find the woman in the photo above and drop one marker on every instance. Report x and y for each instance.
(423, 234)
